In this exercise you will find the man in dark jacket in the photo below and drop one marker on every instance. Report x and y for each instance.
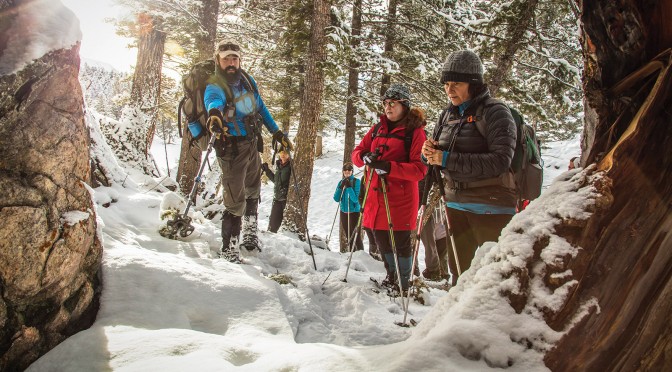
(280, 181)
(479, 185)
(236, 125)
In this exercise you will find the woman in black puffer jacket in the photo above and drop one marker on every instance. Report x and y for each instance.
(474, 162)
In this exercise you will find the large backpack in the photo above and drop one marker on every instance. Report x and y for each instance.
(527, 164)
(192, 105)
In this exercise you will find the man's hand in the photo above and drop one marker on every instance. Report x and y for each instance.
(265, 167)
(283, 140)
(216, 123)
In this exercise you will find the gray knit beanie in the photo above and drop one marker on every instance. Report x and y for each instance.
(398, 92)
(464, 66)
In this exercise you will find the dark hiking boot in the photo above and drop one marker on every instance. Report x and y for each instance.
(431, 275)
(229, 251)
(389, 281)
(250, 228)
(230, 233)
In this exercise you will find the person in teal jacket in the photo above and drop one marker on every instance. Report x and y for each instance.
(347, 194)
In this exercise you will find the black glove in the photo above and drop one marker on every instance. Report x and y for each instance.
(216, 122)
(381, 166)
(283, 140)
(370, 157)
(265, 167)
(345, 183)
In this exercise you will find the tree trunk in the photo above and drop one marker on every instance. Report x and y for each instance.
(146, 88)
(190, 155)
(353, 82)
(625, 265)
(389, 42)
(297, 205)
(513, 41)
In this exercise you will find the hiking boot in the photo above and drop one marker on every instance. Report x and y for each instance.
(376, 256)
(434, 276)
(230, 233)
(250, 228)
(250, 238)
(389, 281)
(229, 251)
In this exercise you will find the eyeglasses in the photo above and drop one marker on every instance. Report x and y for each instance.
(391, 103)
(229, 46)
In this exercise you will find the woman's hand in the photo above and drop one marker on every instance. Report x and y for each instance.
(430, 151)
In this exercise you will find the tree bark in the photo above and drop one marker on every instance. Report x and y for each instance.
(513, 41)
(146, 88)
(625, 264)
(389, 42)
(190, 155)
(297, 206)
(353, 82)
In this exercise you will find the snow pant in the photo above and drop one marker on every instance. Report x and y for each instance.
(349, 226)
(241, 173)
(277, 212)
(373, 248)
(435, 253)
(470, 231)
(402, 240)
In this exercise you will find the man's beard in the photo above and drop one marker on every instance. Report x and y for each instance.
(232, 74)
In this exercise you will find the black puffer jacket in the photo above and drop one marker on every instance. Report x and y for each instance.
(474, 158)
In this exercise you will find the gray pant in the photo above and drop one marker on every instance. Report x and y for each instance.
(428, 237)
(241, 174)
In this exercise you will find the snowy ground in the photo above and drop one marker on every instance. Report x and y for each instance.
(168, 305)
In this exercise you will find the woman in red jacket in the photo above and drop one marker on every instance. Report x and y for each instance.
(392, 149)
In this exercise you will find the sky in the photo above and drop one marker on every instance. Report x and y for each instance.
(171, 305)
(99, 41)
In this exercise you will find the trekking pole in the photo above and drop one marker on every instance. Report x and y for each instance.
(181, 223)
(359, 223)
(392, 242)
(423, 205)
(303, 215)
(439, 180)
(338, 208)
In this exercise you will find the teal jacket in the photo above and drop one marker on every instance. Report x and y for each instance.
(350, 198)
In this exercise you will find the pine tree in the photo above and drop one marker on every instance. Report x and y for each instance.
(304, 158)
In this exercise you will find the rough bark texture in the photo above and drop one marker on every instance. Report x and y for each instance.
(513, 41)
(190, 155)
(353, 82)
(49, 251)
(297, 206)
(626, 261)
(389, 42)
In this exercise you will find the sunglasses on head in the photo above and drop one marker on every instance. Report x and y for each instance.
(391, 103)
(229, 46)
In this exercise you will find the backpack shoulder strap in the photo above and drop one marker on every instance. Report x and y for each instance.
(480, 116)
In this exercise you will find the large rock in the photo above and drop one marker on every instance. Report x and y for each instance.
(49, 249)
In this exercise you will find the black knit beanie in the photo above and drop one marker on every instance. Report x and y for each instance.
(463, 66)
(398, 92)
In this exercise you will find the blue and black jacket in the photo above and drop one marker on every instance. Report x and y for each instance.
(350, 199)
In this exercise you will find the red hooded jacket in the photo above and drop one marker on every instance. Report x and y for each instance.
(402, 181)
